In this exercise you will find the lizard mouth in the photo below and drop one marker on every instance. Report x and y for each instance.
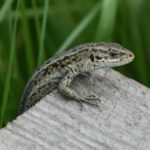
(127, 58)
(122, 60)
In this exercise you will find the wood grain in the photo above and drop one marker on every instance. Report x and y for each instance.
(122, 120)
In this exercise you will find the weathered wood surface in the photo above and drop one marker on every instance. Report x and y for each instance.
(121, 122)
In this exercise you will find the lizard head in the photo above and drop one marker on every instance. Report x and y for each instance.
(110, 54)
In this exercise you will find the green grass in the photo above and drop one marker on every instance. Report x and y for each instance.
(32, 31)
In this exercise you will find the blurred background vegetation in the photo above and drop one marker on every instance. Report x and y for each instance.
(32, 31)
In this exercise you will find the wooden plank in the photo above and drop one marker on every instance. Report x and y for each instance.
(122, 120)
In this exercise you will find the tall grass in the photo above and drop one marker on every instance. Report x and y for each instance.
(9, 71)
(32, 31)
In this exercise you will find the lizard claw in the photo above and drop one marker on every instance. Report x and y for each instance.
(91, 100)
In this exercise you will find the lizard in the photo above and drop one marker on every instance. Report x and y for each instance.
(59, 71)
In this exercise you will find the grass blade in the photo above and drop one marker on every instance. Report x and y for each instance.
(41, 43)
(5, 9)
(80, 27)
(9, 72)
(107, 20)
(27, 38)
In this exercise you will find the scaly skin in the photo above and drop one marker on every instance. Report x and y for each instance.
(59, 71)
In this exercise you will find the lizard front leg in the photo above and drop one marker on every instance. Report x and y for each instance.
(64, 89)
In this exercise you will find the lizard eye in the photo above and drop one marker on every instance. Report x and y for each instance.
(113, 54)
(92, 57)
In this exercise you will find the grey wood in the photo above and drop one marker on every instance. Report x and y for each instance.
(122, 120)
